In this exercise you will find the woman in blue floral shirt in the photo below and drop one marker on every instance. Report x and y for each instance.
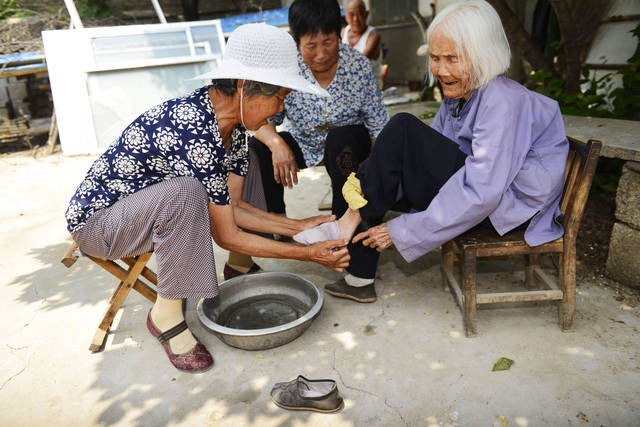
(173, 180)
(338, 130)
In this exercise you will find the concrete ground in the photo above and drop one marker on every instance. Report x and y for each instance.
(403, 360)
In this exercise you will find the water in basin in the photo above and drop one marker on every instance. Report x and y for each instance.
(262, 311)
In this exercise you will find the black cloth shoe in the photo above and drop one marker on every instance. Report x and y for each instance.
(303, 394)
(340, 289)
(230, 272)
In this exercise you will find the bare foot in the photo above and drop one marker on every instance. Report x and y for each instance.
(340, 229)
(348, 224)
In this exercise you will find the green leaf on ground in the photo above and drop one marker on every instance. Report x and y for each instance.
(502, 364)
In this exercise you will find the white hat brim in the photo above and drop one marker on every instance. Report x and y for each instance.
(232, 69)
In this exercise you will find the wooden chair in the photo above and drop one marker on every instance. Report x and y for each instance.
(482, 242)
(129, 279)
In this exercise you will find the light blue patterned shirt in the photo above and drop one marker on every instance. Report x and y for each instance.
(355, 100)
(179, 137)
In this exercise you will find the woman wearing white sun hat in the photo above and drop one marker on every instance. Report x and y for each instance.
(173, 180)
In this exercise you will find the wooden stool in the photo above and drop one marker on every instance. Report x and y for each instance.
(480, 242)
(129, 278)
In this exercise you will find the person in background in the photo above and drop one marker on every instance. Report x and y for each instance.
(362, 37)
(338, 131)
(173, 180)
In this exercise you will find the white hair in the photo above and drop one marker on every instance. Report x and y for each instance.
(475, 27)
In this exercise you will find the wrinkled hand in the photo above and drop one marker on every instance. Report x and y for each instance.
(375, 237)
(285, 168)
(315, 221)
(332, 254)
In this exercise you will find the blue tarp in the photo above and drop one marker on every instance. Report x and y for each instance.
(276, 17)
(21, 57)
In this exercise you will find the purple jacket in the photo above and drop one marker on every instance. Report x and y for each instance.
(517, 150)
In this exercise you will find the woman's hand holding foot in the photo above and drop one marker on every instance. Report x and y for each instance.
(315, 221)
(332, 254)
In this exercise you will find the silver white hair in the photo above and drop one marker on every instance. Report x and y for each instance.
(476, 29)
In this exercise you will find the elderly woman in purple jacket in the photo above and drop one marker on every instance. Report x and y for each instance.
(494, 156)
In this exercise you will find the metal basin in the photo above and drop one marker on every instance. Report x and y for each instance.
(262, 310)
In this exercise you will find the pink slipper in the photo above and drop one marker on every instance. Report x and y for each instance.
(198, 359)
(321, 233)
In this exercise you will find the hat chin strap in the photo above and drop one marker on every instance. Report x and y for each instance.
(241, 106)
(247, 133)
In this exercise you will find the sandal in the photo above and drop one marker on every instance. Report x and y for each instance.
(198, 359)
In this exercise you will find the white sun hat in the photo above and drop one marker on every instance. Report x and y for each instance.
(263, 53)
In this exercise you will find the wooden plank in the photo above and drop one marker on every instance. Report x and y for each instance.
(455, 287)
(122, 274)
(70, 256)
(555, 246)
(446, 264)
(497, 297)
(469, 281)
(22, 71)
(98, 340)
(146, 291)
(567, 308)
(532, 261)
(146, 273)
(546, 279)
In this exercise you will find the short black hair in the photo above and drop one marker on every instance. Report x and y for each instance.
(314, 16)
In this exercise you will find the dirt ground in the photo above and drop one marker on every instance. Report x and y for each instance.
(402, 361)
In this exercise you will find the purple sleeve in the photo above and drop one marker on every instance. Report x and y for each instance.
(474, 191)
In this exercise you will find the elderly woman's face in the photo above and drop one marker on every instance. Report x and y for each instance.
(319, 52)
(448, 68)
(259, 108)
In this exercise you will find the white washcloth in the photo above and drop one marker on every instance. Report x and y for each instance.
(324, 231)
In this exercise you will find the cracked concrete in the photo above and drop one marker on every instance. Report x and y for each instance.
(401, 361)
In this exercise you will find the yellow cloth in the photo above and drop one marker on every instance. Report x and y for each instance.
(352, 193)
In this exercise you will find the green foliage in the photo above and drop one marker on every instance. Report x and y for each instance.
(592, 101)
(9, 9)
(597, 98)
(93, 9)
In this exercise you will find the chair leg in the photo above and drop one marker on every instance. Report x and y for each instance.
(116, 301)
(532, 261)
(469, 278)
(446, 266)
(567, 307)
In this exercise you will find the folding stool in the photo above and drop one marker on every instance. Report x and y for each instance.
(129, 278)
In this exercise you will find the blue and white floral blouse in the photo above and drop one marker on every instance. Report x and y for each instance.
(179, 137)
(355, 99)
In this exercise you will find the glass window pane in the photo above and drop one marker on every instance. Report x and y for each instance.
(140, 46)
(207, 34)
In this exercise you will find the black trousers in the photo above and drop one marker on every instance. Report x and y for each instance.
(408, 165)
(345, 148)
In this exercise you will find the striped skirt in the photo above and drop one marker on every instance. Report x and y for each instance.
(171, 219)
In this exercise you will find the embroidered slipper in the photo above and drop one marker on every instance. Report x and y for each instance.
(324, 231)
(198, 359)
(303, 394)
